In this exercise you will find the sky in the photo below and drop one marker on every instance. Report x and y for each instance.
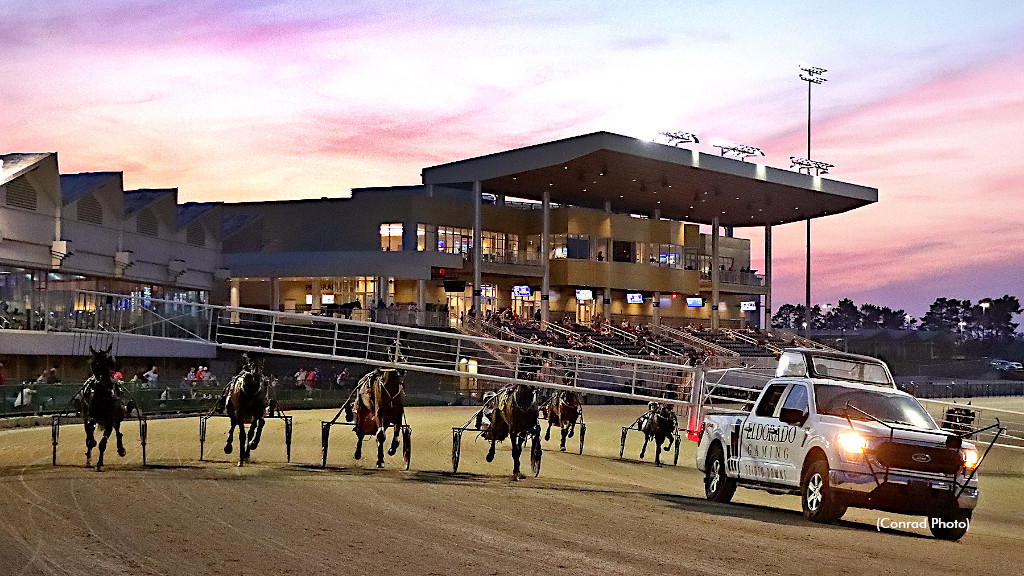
(234, 100)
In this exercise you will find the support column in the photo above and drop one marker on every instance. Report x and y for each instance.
(715, 275)
(478, 250)
(545, 258)
(275, 294)
(768, 276)
(807, 309)
(421, 287)
(606, 304)
(234, 297)
(656, 310)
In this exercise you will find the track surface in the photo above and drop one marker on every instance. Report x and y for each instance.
(589, 514)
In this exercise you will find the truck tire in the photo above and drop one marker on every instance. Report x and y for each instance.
(820, 502)
(718, 487)
(958, 523)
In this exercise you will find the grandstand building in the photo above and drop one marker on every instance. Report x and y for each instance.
(599, 226)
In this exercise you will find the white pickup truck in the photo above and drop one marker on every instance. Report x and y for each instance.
(833, 428)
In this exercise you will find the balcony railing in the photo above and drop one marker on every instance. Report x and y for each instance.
(734, 277)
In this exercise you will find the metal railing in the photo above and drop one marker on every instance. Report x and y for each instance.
(651, 344)
(692, 340)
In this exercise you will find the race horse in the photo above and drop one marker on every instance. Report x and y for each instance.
(514, 414)
(379, 402)
(346, 309)
(563, 410)
(659, 423)
(959, 420)
(102, 406)
(247, 399)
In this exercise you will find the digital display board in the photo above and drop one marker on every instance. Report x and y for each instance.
(584, 295)
(694, 301)
(522, 291)
(748, 306)
(634, 298)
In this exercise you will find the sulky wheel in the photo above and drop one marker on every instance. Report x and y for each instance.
(407, 446)
(583, 434)
(535, 454)
(679, 440)
(622, 442)
(456, 448)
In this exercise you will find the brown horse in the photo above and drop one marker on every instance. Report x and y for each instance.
(563, 410)
(247, 401)
(659, 423)
(379, 403)
(102, 406)
(514, 414)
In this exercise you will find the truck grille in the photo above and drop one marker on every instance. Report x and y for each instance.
(921, 458)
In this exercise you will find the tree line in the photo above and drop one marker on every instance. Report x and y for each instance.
(988, 319)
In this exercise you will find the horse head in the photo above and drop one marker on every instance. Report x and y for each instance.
(102, 363)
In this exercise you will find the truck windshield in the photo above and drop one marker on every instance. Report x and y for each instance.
(887, 407)
(852, 370)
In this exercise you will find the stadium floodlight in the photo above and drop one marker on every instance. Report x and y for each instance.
(677, 138)
(740, 151)
(812, 74)
(802, 164)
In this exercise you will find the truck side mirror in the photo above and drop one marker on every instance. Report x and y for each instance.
(793, 416)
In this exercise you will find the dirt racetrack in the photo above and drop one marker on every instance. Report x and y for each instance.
(589, 514)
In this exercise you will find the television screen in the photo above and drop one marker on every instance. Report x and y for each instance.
(694, 301)
(521, 290)
(583, 295)
(749, 306)
(634, 298)
(327, 298)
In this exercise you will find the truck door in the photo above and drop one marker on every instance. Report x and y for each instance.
(768, 446)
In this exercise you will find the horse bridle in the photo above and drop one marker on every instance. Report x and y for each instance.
(379, 379)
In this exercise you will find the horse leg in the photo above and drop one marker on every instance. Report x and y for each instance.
(381, 437)
(254, 439)
(243, 448)
(565, 433)
(359, 444)
(394, 441)
(643, 450)
(231, 436)
(90, 441)
(572, 429)
(547, 433)
(657, 451)
(120, 440)
(490, 453)
(103, 446)
(517, 450)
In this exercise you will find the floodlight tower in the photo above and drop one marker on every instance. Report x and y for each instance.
(811, 75)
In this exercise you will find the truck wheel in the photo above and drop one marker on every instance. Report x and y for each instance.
(820, 502)
(950, 526)
(718, 487)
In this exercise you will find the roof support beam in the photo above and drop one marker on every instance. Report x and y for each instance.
(715, 276)
(545, 257)
(478, 250)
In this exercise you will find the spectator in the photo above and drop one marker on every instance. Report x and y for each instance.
(152, 377)
(191, 376)
(117, 375)
(310, 382)
(300, 377)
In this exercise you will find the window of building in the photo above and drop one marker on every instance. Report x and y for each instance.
(195, 235)
(391, 237)
(147, 224)
(623, 251)
(89, 210)
(577, 247)
(452, 240)
(21, 194)
(426, 237)
(667, 255)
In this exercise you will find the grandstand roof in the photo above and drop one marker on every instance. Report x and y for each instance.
(74, 186)
(639, 176)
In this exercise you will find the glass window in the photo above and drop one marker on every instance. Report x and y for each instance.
(889, 407)
(770, 400)
(797, 398)
(847, 369)
(623, 251)
(391, 237)
(577, 246)
(426, 237)
(452, 240)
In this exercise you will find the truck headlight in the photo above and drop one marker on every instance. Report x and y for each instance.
(852, 444)
(970, 458)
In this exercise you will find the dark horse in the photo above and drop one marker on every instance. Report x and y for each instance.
(247, 401)
(563, 410)
(513, 415)
(959, 420)
(659, 423)
(102, 406)
(379, 403)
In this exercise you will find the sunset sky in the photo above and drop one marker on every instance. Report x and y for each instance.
(234, 100)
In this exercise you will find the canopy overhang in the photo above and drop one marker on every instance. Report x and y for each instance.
(638, 176)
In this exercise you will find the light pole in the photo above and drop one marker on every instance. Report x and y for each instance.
(811, 75)
(984, 304)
